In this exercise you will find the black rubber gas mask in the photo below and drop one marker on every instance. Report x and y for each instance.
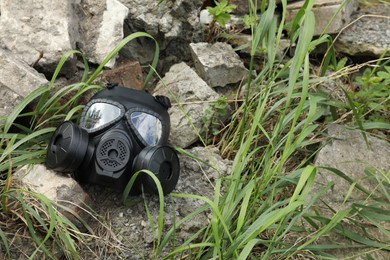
(121, 131)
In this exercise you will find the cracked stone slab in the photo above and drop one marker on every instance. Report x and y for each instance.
(109, 32)
(59, 188)
(348, 152)
(38, 31)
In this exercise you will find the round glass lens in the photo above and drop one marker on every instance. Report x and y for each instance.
(148, 126)
(100, 114)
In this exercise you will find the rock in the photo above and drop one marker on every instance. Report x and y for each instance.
(60, 189)
(190, 96)
(8, 101)
(323, 11)
(101, 26)
(128, 74)
(39, 31)
(174, 24)
(17, 80)
(205, 17)
(217, 64)
(348, 152)
(368, 36)
(198, 175)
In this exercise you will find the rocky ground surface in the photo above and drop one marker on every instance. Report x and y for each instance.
(34, 36)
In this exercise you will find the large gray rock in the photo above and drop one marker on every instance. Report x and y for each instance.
(323, 11)
(190, 96)
(173, 23)
(368, 36)
(61, 189)
(218, 64)
(39, 31)
(348, 152)
(101, 28)
(194, 170)
(17, 80)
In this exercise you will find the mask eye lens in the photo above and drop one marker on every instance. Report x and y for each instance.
(148, 126)
(100, 114)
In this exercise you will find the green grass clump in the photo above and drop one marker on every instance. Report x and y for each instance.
(25, 145)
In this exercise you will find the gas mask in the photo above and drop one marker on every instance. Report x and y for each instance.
(121, 131)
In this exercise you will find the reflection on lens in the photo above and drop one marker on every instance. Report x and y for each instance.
(148, 126)
(100, 114)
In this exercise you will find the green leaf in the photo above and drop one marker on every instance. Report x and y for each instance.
(5, 242)
(18, 109)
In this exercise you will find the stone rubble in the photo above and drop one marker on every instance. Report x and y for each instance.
(59, 188)
(190, 96)
(173, 23)
(368, 36)
(39, 33)
(337, 154)
(110, 31)
(218, 64)
(128, 74)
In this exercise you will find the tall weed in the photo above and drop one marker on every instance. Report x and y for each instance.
(268, 195)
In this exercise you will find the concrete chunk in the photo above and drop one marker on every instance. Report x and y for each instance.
(110, 32)
(348, 152)
(59, 188)
(37, 31)
(323, 11)
(217, 64)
